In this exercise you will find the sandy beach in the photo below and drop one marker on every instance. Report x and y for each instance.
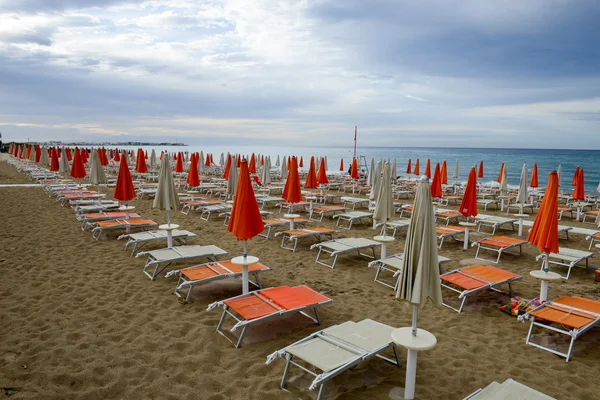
(81, 321)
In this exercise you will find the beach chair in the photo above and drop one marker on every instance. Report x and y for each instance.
(405, 209)
(564, 210)
(449, 216)
(509, 389)
(469, 280)
(569, 315)
(337, 349)
(140, 239)
(593, 238)
(519, 207)
(395, 226)
(214, 209)
(321, 211)
(265, 304)
(354, 202)
(198, 204)
(266, 200)
(165, 257)
(213, 271)
(121, 224)
(591, 214)
(303, 205)
(336, 247)
(495, 223)
(569, 258)
(87, 219)
(351, 217)
(393, 264)
(274, 224)
(298, 235)
(446, 232)
(488, 202)
(103, 205)
(500, 245)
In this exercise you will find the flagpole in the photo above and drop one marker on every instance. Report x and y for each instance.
(355, 129)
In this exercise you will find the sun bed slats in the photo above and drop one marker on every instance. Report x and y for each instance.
(498, 244)
(336, 247)
(166, 256)
(140, 239)
(393, 264)
(569, 258)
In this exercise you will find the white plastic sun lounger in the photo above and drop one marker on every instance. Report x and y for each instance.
(215, 209)
(266, 200)
(104, 205)
(336, 247)
(594, 238)
(571, 316)
(213, 271)
(469, 280)
(488, 202)
(569, 258)
(395, 226)
(321, 211)
(518, 207)
(298, 235)
(140, 239)
(87, 219)
(265, 304)
(167, 256)
(509, 389)
(393, 264)
(337, 349)
(351, 217)
(495, 223)
(354, 201)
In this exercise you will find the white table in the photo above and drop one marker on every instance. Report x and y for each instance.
(291, 218)
(244, 262)
(521, 217)
(384, 240)
(467, 225)
(169, 228)
(545, 277)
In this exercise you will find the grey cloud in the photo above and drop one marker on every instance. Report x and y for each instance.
(34, 6)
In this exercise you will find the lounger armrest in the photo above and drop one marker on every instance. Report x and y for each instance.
(124, 236)
(171, 273)
(279, 353)
(214, 305)
(537, 258)
(141, 254)
(372, 263)
(316, 245)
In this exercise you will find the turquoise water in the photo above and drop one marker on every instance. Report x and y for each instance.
(547, 160)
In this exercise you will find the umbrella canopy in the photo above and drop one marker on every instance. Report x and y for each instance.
(500, 173)
(468, 205)
(559, 172)
(436, 183)
(480, 172)
(579, 191)
(322, 175)
(227, 166)
(311, 178)
(140, 165)
(245, 221)
(77, 169)
(222, 160)
(444, 173)
(354, 169)
(393, 170)
(64, 162)
(522, 196)
(153, 161)
(265, 177)
(301, 164)
(420, 277)
(232, 179)
(44, 159)
(284, 169)
(97, 175)
(342, 165)
(377, 182)
(455, 175)
(504, 181)
(428, 169)
(166, 195)
(371, 175)
(54, 163)
(416, 171)
(544, 232)
(207, 162)
(384, 210)
(575, 176)
(409, 167)
(534, 177)
(179, 165)
(292, 192)
(277, 163)
(193, 178)
(124, 189)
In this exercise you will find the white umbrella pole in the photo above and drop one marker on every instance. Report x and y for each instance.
(169, 232)
(411, 361)
(544, 284)
(245, 284)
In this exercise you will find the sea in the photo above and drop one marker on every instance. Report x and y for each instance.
(547, 160)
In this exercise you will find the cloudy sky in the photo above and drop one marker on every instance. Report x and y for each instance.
(509, 73)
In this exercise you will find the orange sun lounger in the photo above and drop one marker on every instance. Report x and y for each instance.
(449, 216)
(449, 231)
(323, 210)
(213, 271)
(499, 244)
(88, 219)
(298, 235)
(266, 304)
(126, 224)
(569, 315)
(473, 279)
(272, 224)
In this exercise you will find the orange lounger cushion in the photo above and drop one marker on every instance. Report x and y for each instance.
(478, 276)
(329, 208)
(118, 222)
(567, 317)
(321, 230)
(502, 241)
(214, 269)
(251, 307)
(449, 214)
(110, 215)
(290, 298)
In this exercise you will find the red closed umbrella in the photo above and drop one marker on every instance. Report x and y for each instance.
(227, 167)
(428, 169)
(354, 169)
(292, 192)
(468, 205)
(444, 173)
(342, 165)
(252, 165)
(409, 167)
(301, 164)
(193, 178)
(262, 160)
(499, 180)
(416, 171)
(54, 163)
(322, 175)
(117, 157)
(436, 183)
(124, 190)
(77, 169)
(179, 164)
(140, 165)
(575, 176)
(579, 192)
(544, 232)
(208, 160)
(311, 178)
(480, 172)
(534, 177)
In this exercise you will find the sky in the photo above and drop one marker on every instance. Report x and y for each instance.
(437, 73)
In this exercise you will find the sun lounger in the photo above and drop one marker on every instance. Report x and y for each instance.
(564, 210)
(295, 206)
(337, 349)
(266, 304)
(140, 239)
(393, 264)
(86, 219)
(299, 235)
(214, 209)
(509, 389)
(330, 197)
(404, 193)
(569, 258)
(449, 216)
(395, 226)
(450, 231)
(488, 202)
(518, 207)
(469, 280)
(167, 256)
(323, 210)
(446, 200)
(594, 238)
(266, 200)
(407, 208)
(495, 223)
(121, 224)
(273, 224)
(591, 214)
(351, 217)
(213, 271)
(354, 201)
(571, 316)
(198, 204)
(146, 192)
(500, 245)
(336, 247)
(103, 205)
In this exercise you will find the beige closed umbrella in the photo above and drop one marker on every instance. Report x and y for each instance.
(63, 165)
(384, 210)
(153, 162)
(522, 195)
(559, 172)
(166, 196)
(284, 170)
(97, 175)
(232, 179)
(503, 181)
(44, 159)
(419, 279)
